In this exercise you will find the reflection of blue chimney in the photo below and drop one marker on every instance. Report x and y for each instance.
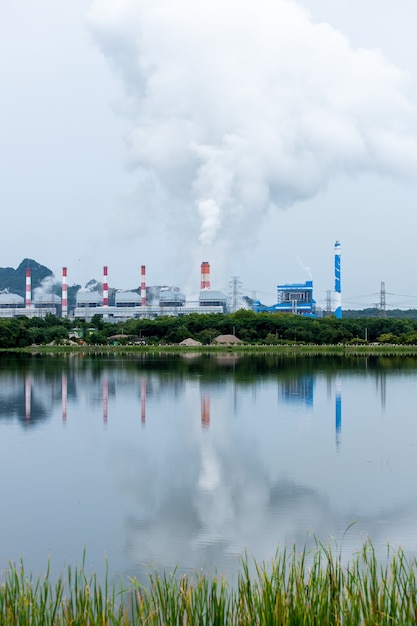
(337, 282)
(298, 390)
(338, 413)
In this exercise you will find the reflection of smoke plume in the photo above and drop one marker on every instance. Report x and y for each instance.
(241, 107)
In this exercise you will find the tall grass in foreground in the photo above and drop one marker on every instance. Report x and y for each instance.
(295, 588)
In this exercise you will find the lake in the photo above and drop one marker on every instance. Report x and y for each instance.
(191, 460)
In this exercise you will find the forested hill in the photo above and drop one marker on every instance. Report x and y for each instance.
(14, 280)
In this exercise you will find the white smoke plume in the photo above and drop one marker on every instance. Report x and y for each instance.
(239, 107)
(304, 267)
(46, 287)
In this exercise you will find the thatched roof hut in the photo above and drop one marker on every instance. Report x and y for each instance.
(227, 340)
(190, 342)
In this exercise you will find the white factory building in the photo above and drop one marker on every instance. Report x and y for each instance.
(127, 304)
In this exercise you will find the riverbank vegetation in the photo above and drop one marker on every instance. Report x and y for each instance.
(308, 588)
(252, 328)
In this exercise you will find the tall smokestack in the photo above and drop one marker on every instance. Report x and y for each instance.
(205, 275)
(64, 293)
(28, 289)
(143, 285)
(337, 282)
(105, 287)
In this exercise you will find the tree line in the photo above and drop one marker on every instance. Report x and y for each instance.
(250, 327)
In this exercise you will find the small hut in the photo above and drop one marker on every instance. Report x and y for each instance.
(227, 340)
(190, 342)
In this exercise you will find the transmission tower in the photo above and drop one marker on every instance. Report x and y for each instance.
(235, 294)
(328, 301)
(382, 303)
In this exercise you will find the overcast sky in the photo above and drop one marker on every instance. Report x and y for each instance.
(252, 134)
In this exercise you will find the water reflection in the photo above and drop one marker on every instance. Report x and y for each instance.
(298, 390)
(338, 387)
(189, 460)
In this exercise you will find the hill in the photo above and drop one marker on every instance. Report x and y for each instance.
(14, 280)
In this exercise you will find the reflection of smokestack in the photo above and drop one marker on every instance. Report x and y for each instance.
(105, 400)
(337, 282)
(28, 396)
(143, 286)
(205, 275)
(28, 289)
(64, 393)
(143, 399)
(64, 293)
(338, 413)
(205, 411)
(105, 287)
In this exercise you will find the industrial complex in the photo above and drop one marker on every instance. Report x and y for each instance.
(295, 298)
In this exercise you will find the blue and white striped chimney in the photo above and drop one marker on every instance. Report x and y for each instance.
(337, 282)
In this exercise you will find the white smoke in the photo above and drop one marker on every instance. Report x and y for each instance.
(304, 267)
(46, 287)
(239, 107)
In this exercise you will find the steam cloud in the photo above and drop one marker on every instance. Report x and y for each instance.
(244, 106)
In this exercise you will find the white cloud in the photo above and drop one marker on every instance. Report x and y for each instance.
(242, 106)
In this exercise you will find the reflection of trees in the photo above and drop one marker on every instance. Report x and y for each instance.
(216, 367)
(14, 407)
(31, 388)
(17, 401)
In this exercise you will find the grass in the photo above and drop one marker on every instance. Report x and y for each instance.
(295, 588)
(294, 348)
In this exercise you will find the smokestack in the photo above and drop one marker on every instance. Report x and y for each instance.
(105, 287)
(143, 286)
(28, 289)
(337, 282)
(64, 293)
(205, 275)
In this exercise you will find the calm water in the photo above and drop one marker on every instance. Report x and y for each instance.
(191, 460)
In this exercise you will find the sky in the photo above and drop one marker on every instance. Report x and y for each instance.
(252, 134)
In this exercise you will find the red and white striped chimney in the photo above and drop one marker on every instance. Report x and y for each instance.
(28, 289)
(143, 285)
(64, 301)
(105, 287)
(205, 275)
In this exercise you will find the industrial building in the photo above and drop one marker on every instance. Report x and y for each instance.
(128, 304)
(296, 298)
(42, 304)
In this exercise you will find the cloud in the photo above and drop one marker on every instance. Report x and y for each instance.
(241, 107)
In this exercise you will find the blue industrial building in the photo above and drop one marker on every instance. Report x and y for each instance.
(296, 298)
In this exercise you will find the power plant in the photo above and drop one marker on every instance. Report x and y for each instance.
(294, 298)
